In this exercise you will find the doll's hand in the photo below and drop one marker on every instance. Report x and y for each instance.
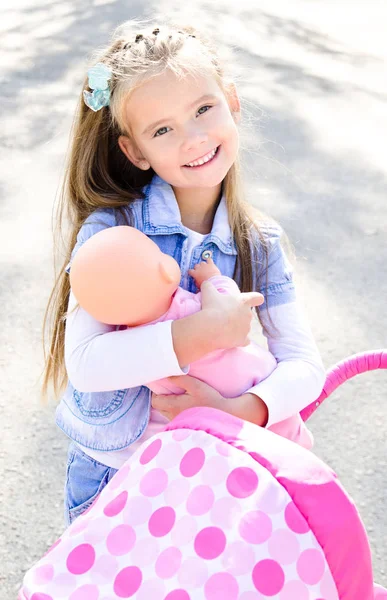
(204, 271)
(197, 393)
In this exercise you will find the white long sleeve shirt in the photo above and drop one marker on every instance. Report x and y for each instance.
(98, 358)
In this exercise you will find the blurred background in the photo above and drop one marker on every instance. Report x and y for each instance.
(312, 75)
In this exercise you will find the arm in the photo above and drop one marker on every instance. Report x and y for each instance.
(208, 271)
(203, 271)
(300, 374)
(99, 358)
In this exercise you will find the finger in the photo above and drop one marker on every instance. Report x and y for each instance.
(188, 383)
(155, 401)
(252, 298)
(194, 387)
(161, 402)
(209, 261)
(165, 414)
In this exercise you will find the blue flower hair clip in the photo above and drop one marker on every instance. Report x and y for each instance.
(99, 76)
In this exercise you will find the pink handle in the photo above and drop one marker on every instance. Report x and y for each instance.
(344, 370)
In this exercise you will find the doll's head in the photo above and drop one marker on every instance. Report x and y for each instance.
(119, 276)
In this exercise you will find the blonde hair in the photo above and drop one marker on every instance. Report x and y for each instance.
(98, 175)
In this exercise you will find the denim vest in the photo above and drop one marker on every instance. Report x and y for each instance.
(110, 421)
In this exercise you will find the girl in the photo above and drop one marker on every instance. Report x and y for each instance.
(155, 145)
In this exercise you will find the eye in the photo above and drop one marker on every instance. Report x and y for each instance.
(161, 131)
(204, 109)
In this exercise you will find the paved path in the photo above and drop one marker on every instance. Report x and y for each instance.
(313, 78)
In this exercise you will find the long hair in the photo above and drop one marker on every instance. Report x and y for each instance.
(98, 175)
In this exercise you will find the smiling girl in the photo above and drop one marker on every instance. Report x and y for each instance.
(155, 146)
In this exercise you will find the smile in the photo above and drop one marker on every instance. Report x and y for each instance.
(204, 159)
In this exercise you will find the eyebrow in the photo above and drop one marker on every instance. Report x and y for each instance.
(205, 97)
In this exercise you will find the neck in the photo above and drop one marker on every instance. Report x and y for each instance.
(198, 207)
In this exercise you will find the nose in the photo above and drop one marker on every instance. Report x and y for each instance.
(194, 137)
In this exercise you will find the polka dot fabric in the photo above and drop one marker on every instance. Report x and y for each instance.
(186, 518)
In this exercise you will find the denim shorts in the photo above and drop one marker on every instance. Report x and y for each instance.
(85, 479)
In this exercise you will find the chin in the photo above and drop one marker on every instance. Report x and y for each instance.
(216, 179)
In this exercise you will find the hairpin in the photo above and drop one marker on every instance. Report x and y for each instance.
(99, 76)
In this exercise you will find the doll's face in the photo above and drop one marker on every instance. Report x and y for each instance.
(121, 277)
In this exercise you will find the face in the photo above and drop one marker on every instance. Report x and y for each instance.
(184, 129)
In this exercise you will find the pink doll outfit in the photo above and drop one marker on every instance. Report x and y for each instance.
(232, 371)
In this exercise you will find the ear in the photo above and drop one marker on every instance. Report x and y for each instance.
(132, 153)
(234, 102)
(170, 270)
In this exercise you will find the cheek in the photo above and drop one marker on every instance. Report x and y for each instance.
(231, 136)
(227, 126)
(162, 157)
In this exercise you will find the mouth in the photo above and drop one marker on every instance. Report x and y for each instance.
(203, 160)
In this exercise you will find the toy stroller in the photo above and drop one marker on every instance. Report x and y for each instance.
(215, 508)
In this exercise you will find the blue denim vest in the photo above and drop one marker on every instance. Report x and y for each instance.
(110, 421)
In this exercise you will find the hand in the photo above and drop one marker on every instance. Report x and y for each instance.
(248, 406)
(223, 322)
(204, 271)
(197, 393)
(231, 316)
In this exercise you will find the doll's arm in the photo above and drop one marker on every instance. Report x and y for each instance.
(208, 271)
(203, 271)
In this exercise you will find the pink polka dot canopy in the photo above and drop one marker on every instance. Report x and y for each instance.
(215, 508)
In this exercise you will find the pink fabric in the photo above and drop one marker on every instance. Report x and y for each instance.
(316, 494)
(187, 517)
(380, 592)
(199, 512)
(231, 372)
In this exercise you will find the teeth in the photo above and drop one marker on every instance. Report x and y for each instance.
(203, 160)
